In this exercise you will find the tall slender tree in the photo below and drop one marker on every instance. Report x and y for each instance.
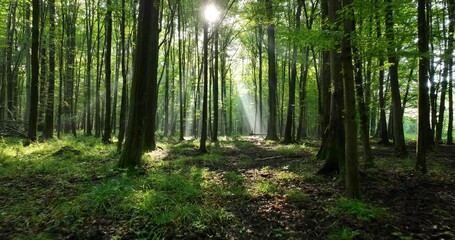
(350, 125)
(288, 133)
(49, 118)
(107, 79)
(35, 72)
(122, 119)
(272, 133)
(203, 140)
(424, 104)
(398, 133)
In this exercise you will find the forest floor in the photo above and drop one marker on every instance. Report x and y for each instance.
(243, 188)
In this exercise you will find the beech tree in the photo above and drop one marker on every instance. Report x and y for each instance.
(142, 73)
(33, 116)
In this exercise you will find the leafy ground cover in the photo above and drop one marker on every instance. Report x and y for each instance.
(243, 189)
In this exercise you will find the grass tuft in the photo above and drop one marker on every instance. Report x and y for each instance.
(362, 211)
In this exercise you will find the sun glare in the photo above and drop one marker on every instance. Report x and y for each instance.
(211, 13)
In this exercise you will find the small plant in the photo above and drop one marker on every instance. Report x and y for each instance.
(362, 211)
(263, 188)
(296, 195)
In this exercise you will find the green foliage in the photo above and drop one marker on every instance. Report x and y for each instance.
(263, 187)
(355, 208)
(290, 150)
(296, 195)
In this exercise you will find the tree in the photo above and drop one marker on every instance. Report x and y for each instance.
(35, 72)
(152, 87)
(382, 116)
(49, 118)
(132, 151)
(203, 140)
(107, 118)
(272, 133)
(89, 22)
(292, 82)
(424, 105)
(122, 126)
(451, 10)
(332, 148)
(398, 133)
(350, 125)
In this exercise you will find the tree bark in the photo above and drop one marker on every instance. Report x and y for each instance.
(424, 105)
(107, 79)
(451, 11)
(400, 145)
(203, 140)
(288, 138)
(350, 125)
(332, 148)
(272, 133)
(132, 151)
(49, 119)
(152, 88)
(35, 72)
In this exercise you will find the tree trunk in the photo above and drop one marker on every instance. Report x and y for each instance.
(332, 148)
(364, 126)
(89, 34)
(451, 10)
(272, 79)
(215, 85)
(123, 104)
(302, 128)
(202, 145)
(35, 72)
(291, 104)
(132, 151)
(259, 43)
(384, 138)
(350, 125)
(181, 106)
(447, 60)
(49, 119)
(400, 145)
(107, 80)
(424, 105)
(151, 106)
(10, 84)
(43, 69)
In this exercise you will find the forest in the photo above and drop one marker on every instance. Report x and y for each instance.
(227, 119)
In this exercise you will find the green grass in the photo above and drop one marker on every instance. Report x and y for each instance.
(262, 188)
(290, 150)
(63, 186)
(360, 210)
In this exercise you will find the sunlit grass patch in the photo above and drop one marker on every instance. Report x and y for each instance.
(296, 195)
(290, 150)
(184, 146)
(286, 175)
(262, 188)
